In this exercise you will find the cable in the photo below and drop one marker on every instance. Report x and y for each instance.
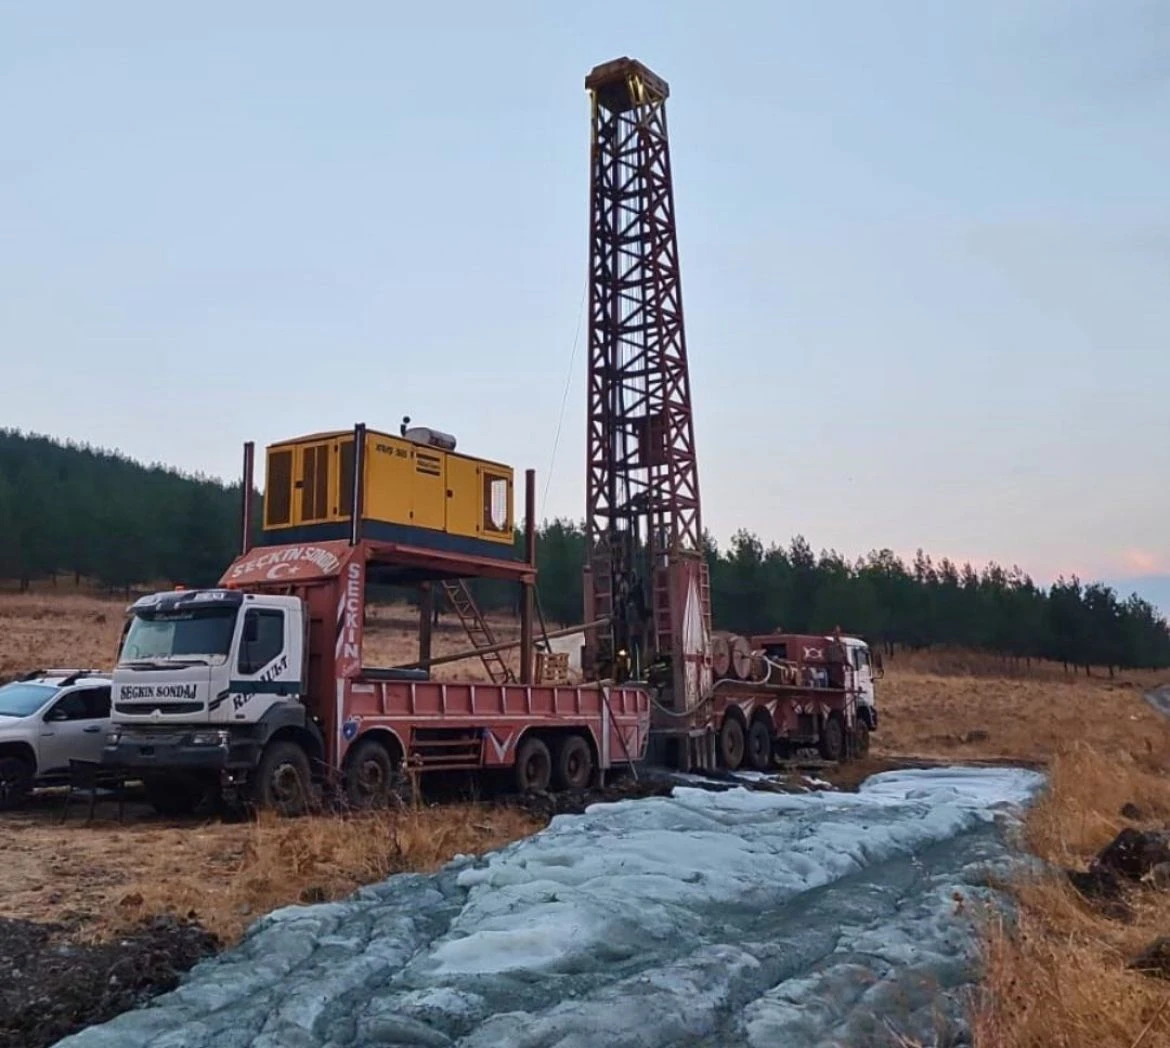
(709, 697)
(564, 401)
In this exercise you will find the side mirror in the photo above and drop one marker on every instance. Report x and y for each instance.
(251, 629)
(56, 715)
(118, 651)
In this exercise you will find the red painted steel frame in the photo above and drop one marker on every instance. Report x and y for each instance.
(784, 705)
(642, 500)
(349, 701)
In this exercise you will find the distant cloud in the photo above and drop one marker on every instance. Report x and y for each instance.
(1142, 562)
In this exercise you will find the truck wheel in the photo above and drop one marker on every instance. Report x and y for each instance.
(16, 778)
(574, 768)
(284, 779)
(370, 776)
(174, 796)
(759, 745)
(861, 738)
(533, 765)
(832, 743)
(731, 743)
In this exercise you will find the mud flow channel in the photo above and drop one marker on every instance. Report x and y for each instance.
(701, 919)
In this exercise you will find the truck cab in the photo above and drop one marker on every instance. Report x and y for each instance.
(205, 681)
(860, 661)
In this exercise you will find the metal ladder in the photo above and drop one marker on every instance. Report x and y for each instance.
(705, 594)
(478, 631)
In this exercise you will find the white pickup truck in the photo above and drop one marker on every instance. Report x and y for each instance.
(47, 719)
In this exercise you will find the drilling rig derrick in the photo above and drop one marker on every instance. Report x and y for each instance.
(646, 572)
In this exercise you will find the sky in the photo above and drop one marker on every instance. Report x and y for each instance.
(925, 250)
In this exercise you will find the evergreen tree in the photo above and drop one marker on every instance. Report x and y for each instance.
(73, 509)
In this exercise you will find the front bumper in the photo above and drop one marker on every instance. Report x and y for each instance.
(196, 749)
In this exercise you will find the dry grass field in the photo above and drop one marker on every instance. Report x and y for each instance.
(1059, 977)
(964, 707)
(1055, 979)
(68, 629)
(103, 877)
(79, 630)
(106, 875)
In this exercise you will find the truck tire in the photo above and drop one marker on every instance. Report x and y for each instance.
(16, 779)
(759, 745)
(533, 765)
(861, 739)
(574, 767)
(370, 776)
(731, 743)
(284, 781)
(832, 741)
(173, 795)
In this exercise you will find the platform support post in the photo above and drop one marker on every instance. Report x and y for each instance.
(357, 508)
(426, 618)
(526, 587)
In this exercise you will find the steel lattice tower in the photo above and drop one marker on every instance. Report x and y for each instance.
(643, 489)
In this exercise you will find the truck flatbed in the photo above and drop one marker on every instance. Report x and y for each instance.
(441, 725)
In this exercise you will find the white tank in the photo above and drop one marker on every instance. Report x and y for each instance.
(431, 437)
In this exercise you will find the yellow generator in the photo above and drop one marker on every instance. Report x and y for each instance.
(416, 491)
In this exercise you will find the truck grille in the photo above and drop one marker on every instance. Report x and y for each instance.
(145, 709)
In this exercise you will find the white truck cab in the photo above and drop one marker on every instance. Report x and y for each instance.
(205, 679)
(865, 672)
(208, 656)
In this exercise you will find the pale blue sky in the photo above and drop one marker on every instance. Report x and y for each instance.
(925, 248)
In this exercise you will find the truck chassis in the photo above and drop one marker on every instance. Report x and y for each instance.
(756, 723)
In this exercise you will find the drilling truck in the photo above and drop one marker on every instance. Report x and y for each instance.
(259, 685)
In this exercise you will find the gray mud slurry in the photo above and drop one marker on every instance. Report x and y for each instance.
(1159, 698)
(701, 919)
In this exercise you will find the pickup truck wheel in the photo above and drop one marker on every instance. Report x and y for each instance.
(284, 780)
(832, 743)
(533, 765)
(370, 776)
(574, 768)
(16, 779)
(759, 744)
(731, 743)
(173, 796)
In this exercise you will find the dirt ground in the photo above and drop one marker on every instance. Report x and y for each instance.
(51, 984)
(147, 896)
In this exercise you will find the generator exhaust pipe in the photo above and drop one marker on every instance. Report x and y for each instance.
(246, 498)
(359, 493)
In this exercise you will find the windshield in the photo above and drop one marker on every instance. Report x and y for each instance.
(206, 633)
(23, 700)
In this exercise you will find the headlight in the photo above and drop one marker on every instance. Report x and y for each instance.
(209, 738)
